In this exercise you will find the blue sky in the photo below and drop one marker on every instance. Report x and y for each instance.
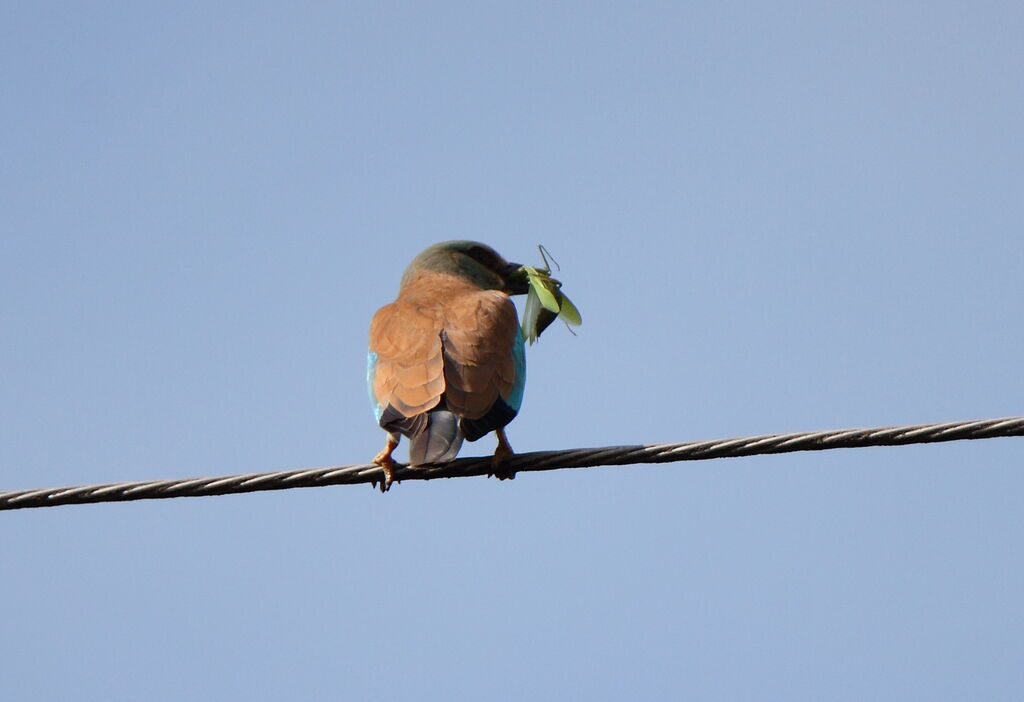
(774, 217)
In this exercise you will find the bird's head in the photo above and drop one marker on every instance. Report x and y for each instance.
(473, 262)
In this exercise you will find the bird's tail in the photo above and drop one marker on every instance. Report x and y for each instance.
(439, 442)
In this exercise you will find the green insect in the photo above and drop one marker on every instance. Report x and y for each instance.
(545, 302)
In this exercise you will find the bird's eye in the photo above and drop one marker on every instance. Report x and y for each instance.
(484, 257)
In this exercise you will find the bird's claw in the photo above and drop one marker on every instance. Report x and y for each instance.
(503, 450)
(387, 464)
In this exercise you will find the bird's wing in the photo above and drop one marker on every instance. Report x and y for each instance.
(408, 369)
(479, 338)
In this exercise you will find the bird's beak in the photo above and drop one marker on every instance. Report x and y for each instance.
(516, 282)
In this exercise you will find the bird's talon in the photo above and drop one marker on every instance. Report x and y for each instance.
(387, 463)
(389, 477)
(498, 473)
(503, 449)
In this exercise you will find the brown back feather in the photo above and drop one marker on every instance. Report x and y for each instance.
(444, 336)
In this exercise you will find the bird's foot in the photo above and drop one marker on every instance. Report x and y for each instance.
(387, 463)
(388, 466)
(503, 450)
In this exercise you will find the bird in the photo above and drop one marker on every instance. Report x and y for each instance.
(446, 359)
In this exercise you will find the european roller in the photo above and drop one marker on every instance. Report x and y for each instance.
(446, 359)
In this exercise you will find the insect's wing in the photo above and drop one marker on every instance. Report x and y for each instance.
(544, 319)
(531, 312)
(543, 287)
(568, 311)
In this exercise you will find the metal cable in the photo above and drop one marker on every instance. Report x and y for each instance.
(536, 461)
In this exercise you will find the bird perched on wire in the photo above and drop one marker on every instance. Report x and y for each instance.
(446, 359)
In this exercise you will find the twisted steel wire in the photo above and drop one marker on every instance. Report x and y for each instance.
(535, 461)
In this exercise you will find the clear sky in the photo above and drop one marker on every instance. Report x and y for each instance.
(773, 216)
